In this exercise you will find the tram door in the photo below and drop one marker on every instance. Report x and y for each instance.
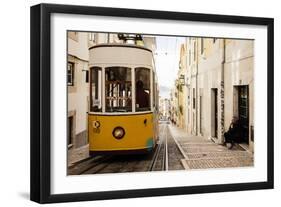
(243, 111)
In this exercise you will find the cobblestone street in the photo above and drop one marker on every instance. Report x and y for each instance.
(165, 156)
(77, 154)
(182, 151)
(201, 153)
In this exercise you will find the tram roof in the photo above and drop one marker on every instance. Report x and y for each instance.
(120, 45)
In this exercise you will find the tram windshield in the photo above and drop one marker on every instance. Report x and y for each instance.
(142, 80)
(95, 89)
(118, 89)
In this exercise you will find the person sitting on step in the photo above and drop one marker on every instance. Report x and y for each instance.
(234, 132)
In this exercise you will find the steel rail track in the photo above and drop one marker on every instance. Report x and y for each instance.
(91, 163)
(162, 147)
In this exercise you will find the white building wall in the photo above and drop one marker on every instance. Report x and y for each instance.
(209, 77)
(190, 72)
(79, 48)
(239, 71)
(78, 54)
(78, 100)
(234, 69)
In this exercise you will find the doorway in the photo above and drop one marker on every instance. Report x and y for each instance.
(214, 112)
(70, 131)
(201, 114)
(243, 112)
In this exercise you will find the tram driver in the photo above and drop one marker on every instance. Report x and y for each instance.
(142, 97)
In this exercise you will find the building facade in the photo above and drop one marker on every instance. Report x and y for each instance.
(77, 86)
(173, 105)
(219, 86)
(164, 109)
(181, 89)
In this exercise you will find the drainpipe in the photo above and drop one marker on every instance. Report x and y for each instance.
(222, 91)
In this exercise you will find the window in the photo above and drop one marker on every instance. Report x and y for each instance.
(193, 98)
(70, 74)
(92, 37)
(143, 92)
(95, 90)
(87, 76)
(118, 89)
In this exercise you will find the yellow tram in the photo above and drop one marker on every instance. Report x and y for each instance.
(123, 107)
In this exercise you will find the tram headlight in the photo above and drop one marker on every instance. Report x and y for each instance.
(118, 132)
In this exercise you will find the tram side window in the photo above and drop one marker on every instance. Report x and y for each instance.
(118, 89)
(143, 91)
(95, 90)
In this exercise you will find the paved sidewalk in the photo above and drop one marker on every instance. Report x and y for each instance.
(201, 153)
(76, 154)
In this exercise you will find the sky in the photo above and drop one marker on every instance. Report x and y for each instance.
(167, 59)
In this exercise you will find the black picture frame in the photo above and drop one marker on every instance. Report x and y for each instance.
(41, 102)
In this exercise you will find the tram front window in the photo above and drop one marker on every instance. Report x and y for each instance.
(118, 89)
(142, 89)
(95, 90)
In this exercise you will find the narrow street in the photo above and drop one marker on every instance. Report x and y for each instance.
(166, 156)
(175, 151)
